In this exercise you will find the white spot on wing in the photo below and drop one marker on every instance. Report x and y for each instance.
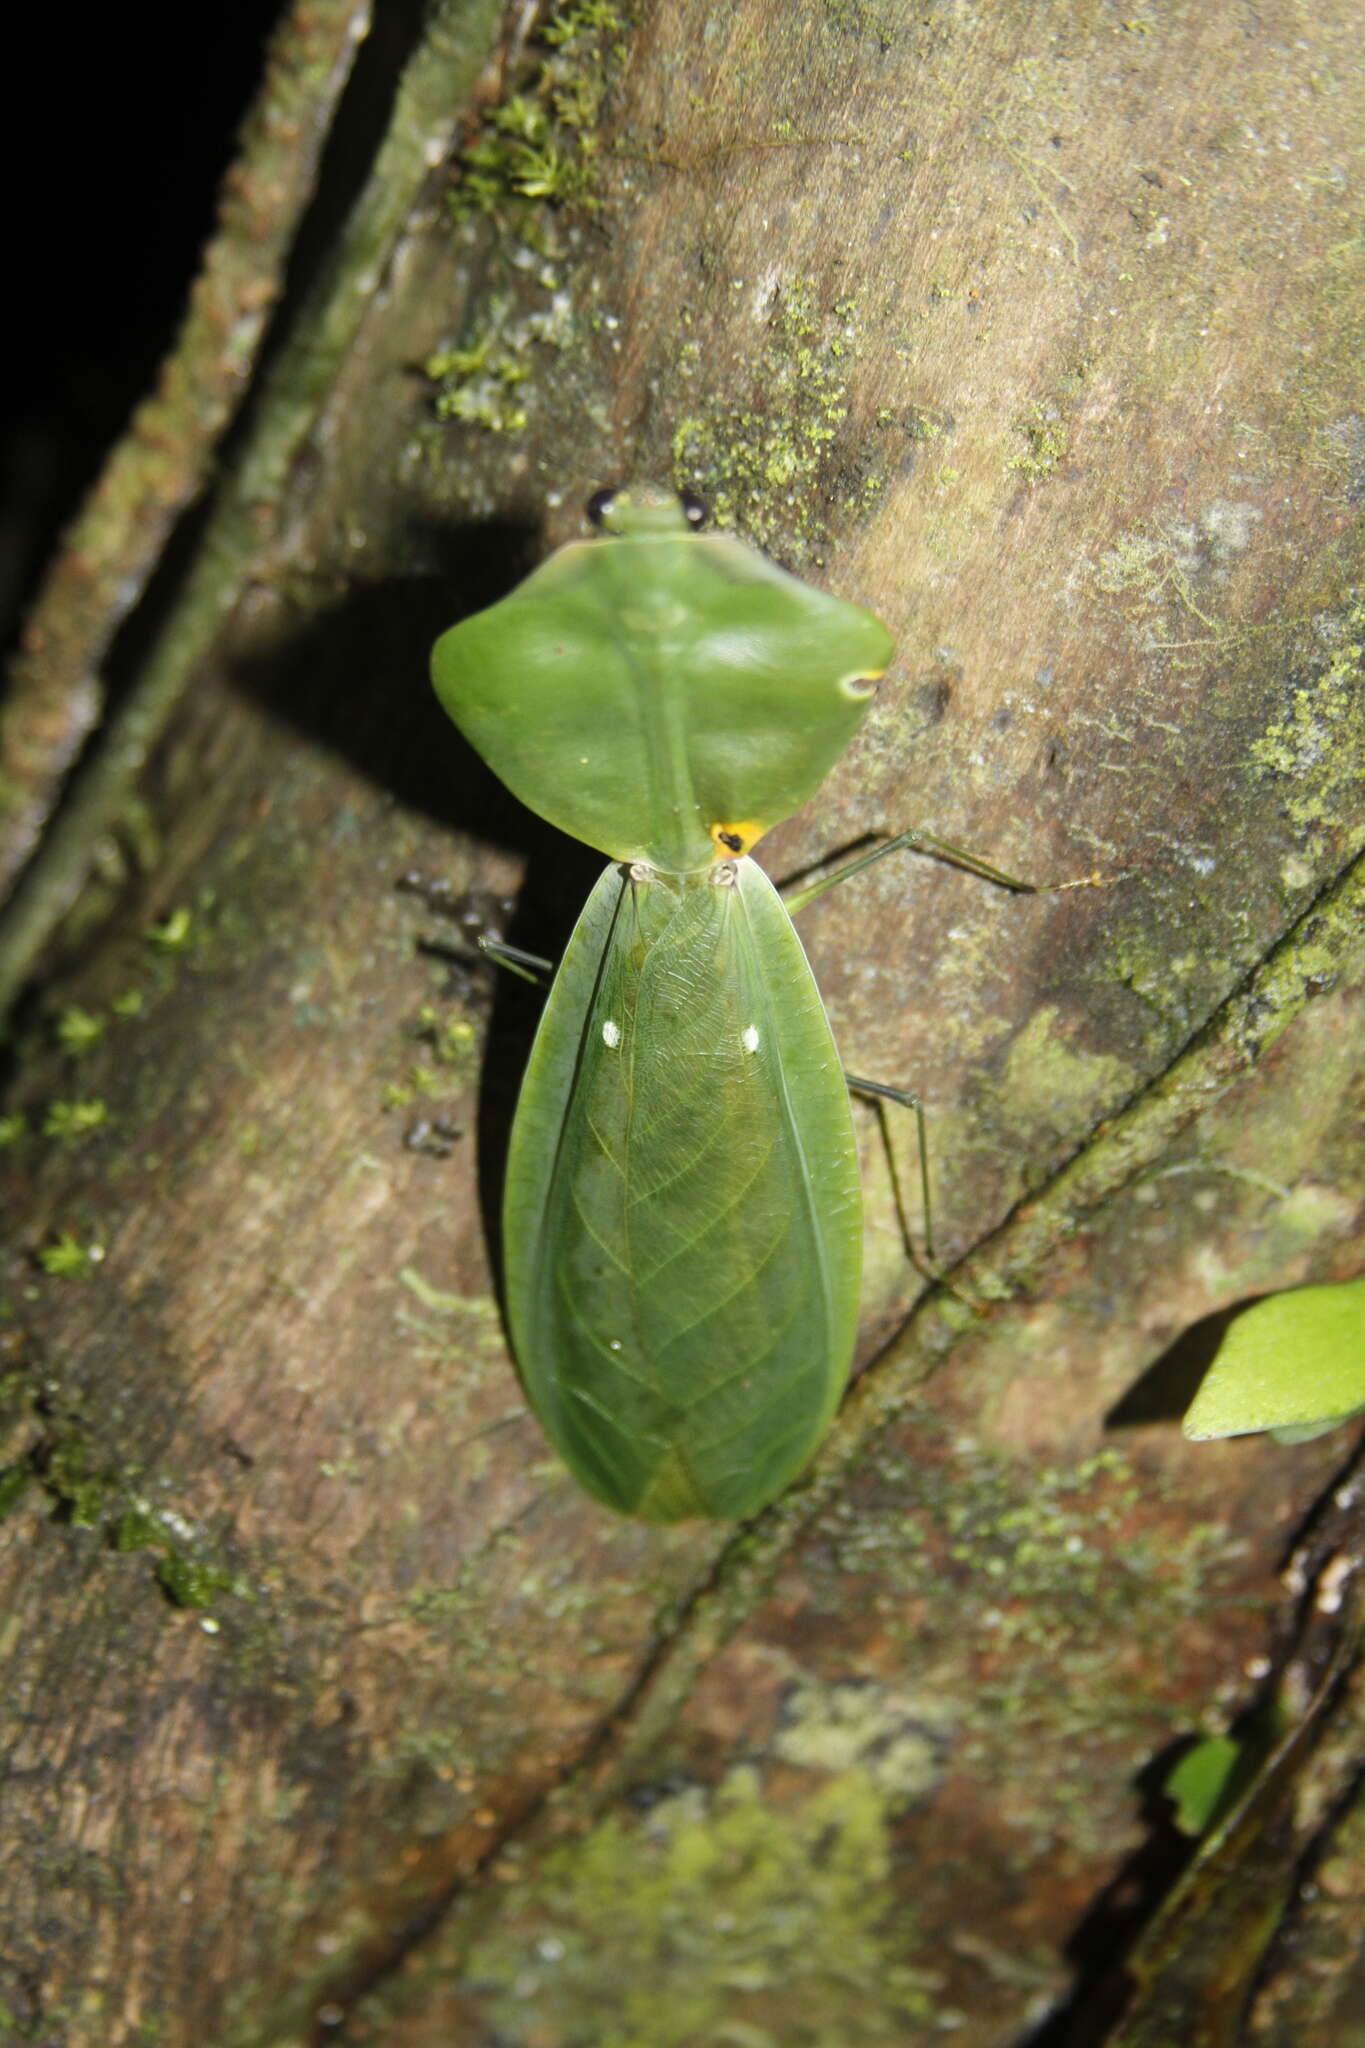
(611, 1035)
(749, 1038)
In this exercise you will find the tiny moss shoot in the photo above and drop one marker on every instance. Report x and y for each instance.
(535, 158)
(191, 1583)
(451, 1036)
(174, 933)
(1315, 750)
(1045, 444)
(14, 1484)
(66, 1258)
(758, 464)
(70, 1122)
(540, 144)
(87, 1494)
(77, 1030)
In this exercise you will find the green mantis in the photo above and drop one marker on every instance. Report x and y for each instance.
(682, 1217)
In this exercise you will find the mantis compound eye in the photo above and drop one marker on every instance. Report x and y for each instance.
(598, 507)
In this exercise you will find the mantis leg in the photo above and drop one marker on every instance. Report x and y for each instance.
(529, 966)
(471, 909)
(907, 1099)
(939, 849)
(914, 841)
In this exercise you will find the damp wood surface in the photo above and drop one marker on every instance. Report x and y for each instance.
(332, 1710)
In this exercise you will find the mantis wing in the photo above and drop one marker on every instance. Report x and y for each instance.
(682, 1217)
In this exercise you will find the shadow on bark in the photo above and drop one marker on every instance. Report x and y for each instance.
(354, 680)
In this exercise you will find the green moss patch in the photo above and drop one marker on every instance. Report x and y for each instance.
(717, 1916)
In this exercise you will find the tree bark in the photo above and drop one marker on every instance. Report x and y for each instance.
(333, 1710)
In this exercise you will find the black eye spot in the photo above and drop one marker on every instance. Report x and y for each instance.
(731, 841)
(694, 510)
(600, 504)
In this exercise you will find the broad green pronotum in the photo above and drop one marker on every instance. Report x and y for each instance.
(683, 1221)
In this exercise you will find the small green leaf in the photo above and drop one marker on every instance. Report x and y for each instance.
(1293, 1361)
(1198, 1784)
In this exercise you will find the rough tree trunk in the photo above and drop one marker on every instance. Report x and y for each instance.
(332, 1709)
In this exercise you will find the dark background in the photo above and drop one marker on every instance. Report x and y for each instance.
(121, 123)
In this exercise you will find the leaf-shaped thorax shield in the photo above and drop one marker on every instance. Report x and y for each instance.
(663, 695)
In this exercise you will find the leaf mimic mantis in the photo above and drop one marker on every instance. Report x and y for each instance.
(683, 1217)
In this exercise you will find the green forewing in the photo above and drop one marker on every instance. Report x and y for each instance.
(682, 1218)
(639, 689)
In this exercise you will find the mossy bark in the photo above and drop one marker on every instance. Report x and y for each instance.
(1038, 329)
